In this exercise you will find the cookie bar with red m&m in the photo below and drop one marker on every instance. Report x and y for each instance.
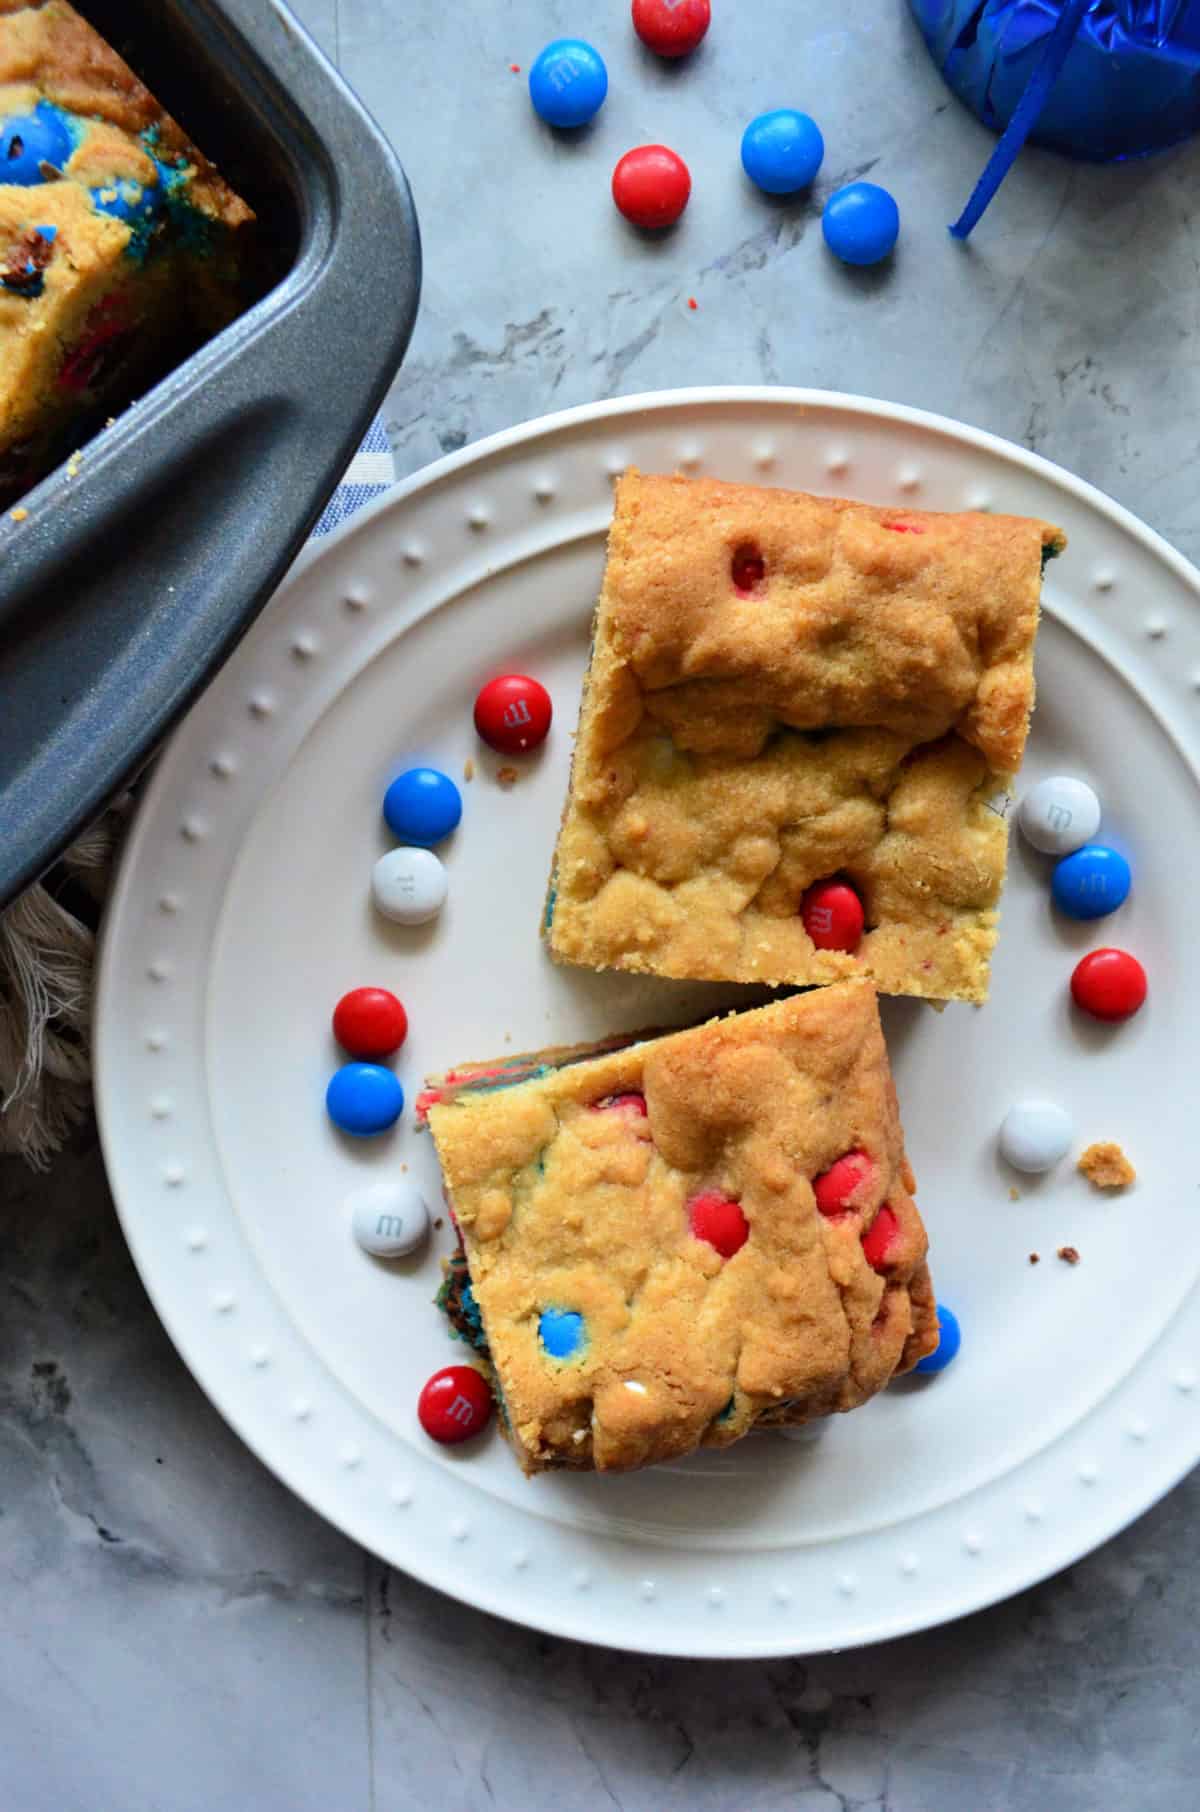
(798, 726)
(687, 1237)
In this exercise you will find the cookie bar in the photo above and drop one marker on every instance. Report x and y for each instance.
(687, 1237)
(786, 690)
(121, 248)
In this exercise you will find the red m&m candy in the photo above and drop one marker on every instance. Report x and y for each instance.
(455, 1404)
(835, 1187)
(720, 1222)
(651, 185)
(673, 28)
(1109, 984)
(833, 916)
(512, 714)
(880, 1237)
(370, 1023)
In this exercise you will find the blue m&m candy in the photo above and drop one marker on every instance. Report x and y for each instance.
(560, 1332)
(568, 83)
(948, 1344)
(1092, 882)
(782, 151)
(134, 203)
(364, 1099)
(861, 223)
(29, 140)
(422, 806)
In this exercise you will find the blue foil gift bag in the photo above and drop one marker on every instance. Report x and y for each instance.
(1098, 79)
(1129, 80)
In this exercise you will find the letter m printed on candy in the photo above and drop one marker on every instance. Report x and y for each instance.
(461, 1410)
(821, 918)
(517, 713)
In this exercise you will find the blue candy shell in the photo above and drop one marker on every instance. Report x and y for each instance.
(422, 806)
(861, 223)
(364, 1099)
(782, 151)
(561, 1332)
(123, 199)
(1091, 883)
(568, 83)
(947, 1346)
(29, 140)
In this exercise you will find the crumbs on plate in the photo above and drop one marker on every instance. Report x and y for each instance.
(1106, 1167)
(1069, 1254)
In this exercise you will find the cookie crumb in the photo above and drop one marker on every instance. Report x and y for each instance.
(468, 769)
(692, 303)
(516, 68)
(1035, 1258)
(404, 1167)
(1014, 1194)
(1069, 1255)
(1106, 1167)
(73, 464)
(438, 1224)
(507, 776)
(18, 515)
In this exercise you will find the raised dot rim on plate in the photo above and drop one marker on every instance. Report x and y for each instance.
(260, 1357)
(156, 1041)
(909, 1565)
(544, 491)
(302, 1409)
(1088, 1474)
(847, 1584)
(520, 1560)
(401, 1496)
(173, 1173)
(160, 1107)
(159, 970)
(169, 903)
(1185, 1381)
(195, 1239)
(479, 518)
(1156, 628)
(460, 1528)
(909, 478)
(305, 646)
(223, 767)
(261, 704)
(192, 830)
(351, 1458)
(973, 1542)
(716, 1598)
(648, 1590)
(224, 1302)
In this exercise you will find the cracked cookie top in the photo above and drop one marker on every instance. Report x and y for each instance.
(784, 689)
(652, 1265)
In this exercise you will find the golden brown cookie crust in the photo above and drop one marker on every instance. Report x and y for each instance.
(857, 714)
(565, 1205)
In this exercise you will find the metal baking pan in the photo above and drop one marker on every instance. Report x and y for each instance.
(129, 582)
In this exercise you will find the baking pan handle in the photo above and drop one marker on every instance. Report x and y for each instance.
(131, 577)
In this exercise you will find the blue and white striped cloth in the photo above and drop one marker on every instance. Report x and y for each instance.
(370, 471)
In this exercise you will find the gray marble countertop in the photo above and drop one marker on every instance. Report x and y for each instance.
(177, 1633)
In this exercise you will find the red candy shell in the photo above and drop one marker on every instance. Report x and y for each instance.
(454, 1405)
(513, 713)
(1109, 984)
(878, 1240)
(672, 28)
(718, 1221)
(651, 185)
(833, 916)
(633, 1103)
(835, 1186)
(370, 1023)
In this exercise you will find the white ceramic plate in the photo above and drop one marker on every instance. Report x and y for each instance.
(242, 914)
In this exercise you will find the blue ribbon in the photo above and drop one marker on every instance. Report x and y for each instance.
(1025, 114)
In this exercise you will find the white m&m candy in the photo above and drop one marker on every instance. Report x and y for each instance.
(1059, 815)
(1034, 1135)
(389, 1219)
(409, 885)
